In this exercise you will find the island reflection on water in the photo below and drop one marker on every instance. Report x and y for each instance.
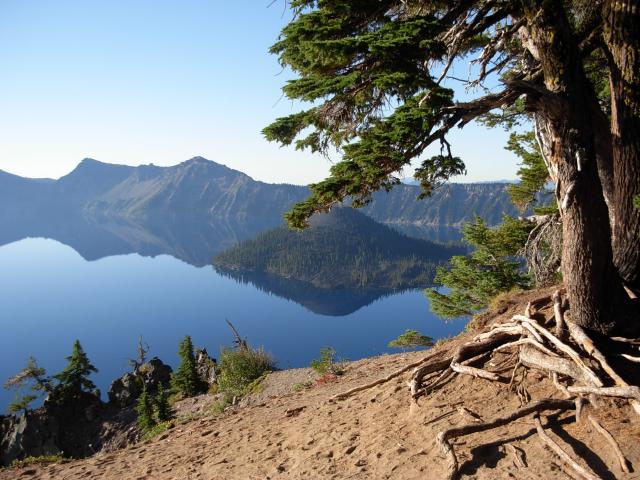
(123, 282)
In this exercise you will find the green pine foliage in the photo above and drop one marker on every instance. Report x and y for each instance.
(411, 339)
(31, 379)
(21, 404)
(496, 265)
(533, 175)
(493, 267)
(367, 71)
(161, 405)
(185, 379)
(144, 408)
(74, 379)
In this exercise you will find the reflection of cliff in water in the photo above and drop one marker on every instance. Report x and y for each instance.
(93, 237)
(330, 302)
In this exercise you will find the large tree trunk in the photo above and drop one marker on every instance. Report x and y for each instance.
(570, 113)
(622, 37)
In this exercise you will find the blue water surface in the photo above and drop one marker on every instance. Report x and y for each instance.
(50, 296)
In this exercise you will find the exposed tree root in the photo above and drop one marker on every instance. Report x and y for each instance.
(548, 441)
(517, 454)
(560, 349)
(391, 376)
(612, 441)
(444, 438)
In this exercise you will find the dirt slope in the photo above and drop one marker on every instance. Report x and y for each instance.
(375, 434)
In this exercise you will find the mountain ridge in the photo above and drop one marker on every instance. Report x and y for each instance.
(204, 190)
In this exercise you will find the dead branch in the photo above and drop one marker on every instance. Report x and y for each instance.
(612, 441)
(444, 438)
(240, 342)
(586, 473)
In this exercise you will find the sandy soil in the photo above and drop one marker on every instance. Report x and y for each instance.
(376, 434)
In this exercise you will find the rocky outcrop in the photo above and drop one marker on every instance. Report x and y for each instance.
(81, 428)
(206, 366)
(34, 434)
(124, 391)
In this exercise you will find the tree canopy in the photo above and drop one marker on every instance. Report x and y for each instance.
(375, 77)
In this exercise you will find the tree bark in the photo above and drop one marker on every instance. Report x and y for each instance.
(571, 115)
(622, 38)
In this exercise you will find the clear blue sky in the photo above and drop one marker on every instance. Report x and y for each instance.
(158, 81)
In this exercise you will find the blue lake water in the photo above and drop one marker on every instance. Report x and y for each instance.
(50, 295)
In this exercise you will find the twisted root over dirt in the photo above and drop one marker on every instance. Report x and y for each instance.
(505, 353)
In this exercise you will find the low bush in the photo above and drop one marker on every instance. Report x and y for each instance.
(241, 367)
(302, 386)
(327, 363)
(157, 429)
(37, 460)
(411, 339)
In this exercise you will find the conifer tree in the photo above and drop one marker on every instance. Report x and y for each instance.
(490, 269)
(161, 404)
(33, 379)
(21, 404)
(373, 77)
(185, 379)
(145, 410)
(74, 379)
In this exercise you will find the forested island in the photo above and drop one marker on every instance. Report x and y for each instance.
(341, 249)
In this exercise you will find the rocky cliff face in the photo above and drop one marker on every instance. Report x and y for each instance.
(89, 425)
(206, 192)
(86, 427)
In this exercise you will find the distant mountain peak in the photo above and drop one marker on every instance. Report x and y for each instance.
(90, 162)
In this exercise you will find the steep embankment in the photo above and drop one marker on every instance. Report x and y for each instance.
(377, 433)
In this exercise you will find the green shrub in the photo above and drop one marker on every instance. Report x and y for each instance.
(157, 429)
(327, 362)
(240, 367)
(411, 339)
(302, 386)
(37, 460)
(220, 405)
